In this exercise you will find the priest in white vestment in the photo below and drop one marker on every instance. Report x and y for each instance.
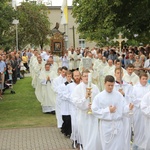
(38, 87)
(101, 72)
(96, 70)
(109, 69)
(53, 64)
(130, 76)
(48, 96)
(139, 90)
(145, 108)
(72, 55)
(32, 61)
(56, 83)
(109, 106)
(88, 124)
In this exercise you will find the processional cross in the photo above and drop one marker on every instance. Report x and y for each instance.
(120, 40)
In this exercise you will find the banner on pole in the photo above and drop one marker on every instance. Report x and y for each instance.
(64, 13)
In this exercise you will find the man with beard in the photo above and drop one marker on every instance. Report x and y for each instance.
(87, 123)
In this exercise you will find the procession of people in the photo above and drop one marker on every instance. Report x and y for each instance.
(112, 85)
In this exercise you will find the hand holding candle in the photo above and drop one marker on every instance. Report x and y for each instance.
(89, 79)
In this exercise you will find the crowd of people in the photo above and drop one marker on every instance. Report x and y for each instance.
(119, 93)
(115, 88)
(13, 66)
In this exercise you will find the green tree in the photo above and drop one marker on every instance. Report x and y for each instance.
(6, 17)
(34, 25)
(99, 19)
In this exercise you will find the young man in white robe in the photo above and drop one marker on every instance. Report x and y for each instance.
(139, 90)
(130, 76)
(73, 110)
(48, 96)
(109, 106)
(56, 83)
(145, 108)
(126, 90)
(88, 124)
(65, 106)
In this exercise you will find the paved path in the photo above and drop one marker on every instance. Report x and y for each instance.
(43, 138)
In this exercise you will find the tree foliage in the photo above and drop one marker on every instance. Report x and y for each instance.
(6, 17)
(99, 19)
(34, 25)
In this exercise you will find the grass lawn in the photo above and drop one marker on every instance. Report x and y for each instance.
(22, 109)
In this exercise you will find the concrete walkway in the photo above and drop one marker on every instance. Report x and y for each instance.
(43, 138)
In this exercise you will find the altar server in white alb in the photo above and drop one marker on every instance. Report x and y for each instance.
(88, 124)
(56, 83)
(48, 96)
(139, 90)
(109, 106)
(65, 106)
(126, 90)
(145, 108)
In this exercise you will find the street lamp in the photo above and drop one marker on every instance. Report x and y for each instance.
(16, 22)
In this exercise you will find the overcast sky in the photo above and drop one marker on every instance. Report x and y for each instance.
(54, 2)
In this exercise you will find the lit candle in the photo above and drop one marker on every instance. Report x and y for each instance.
(89, 79)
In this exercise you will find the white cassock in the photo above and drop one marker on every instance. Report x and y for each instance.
(145, 108)
(73, 111)
(36, 69)
(33, 60)
(57, 60)
(46, 57)
(109, 70)
(64, 103)
(65, 61)
(127, 120)
(38, 87)
(54, 67)
(131, 78)
(56, 83)
(138, 121)
(110, 124)
(72, 63)
(78, 59)
(101, 73)
(87, 124)
(95, 73)
(43, 55)
(48, 95)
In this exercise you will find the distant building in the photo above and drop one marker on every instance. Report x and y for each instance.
(55, 16)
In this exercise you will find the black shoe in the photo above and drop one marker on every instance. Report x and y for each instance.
(53, 112)
(47, 112)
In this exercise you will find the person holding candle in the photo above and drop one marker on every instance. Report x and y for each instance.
(87, 123)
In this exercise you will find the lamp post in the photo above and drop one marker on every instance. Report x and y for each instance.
(73, 35)
(120, 40)
(15, 22)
